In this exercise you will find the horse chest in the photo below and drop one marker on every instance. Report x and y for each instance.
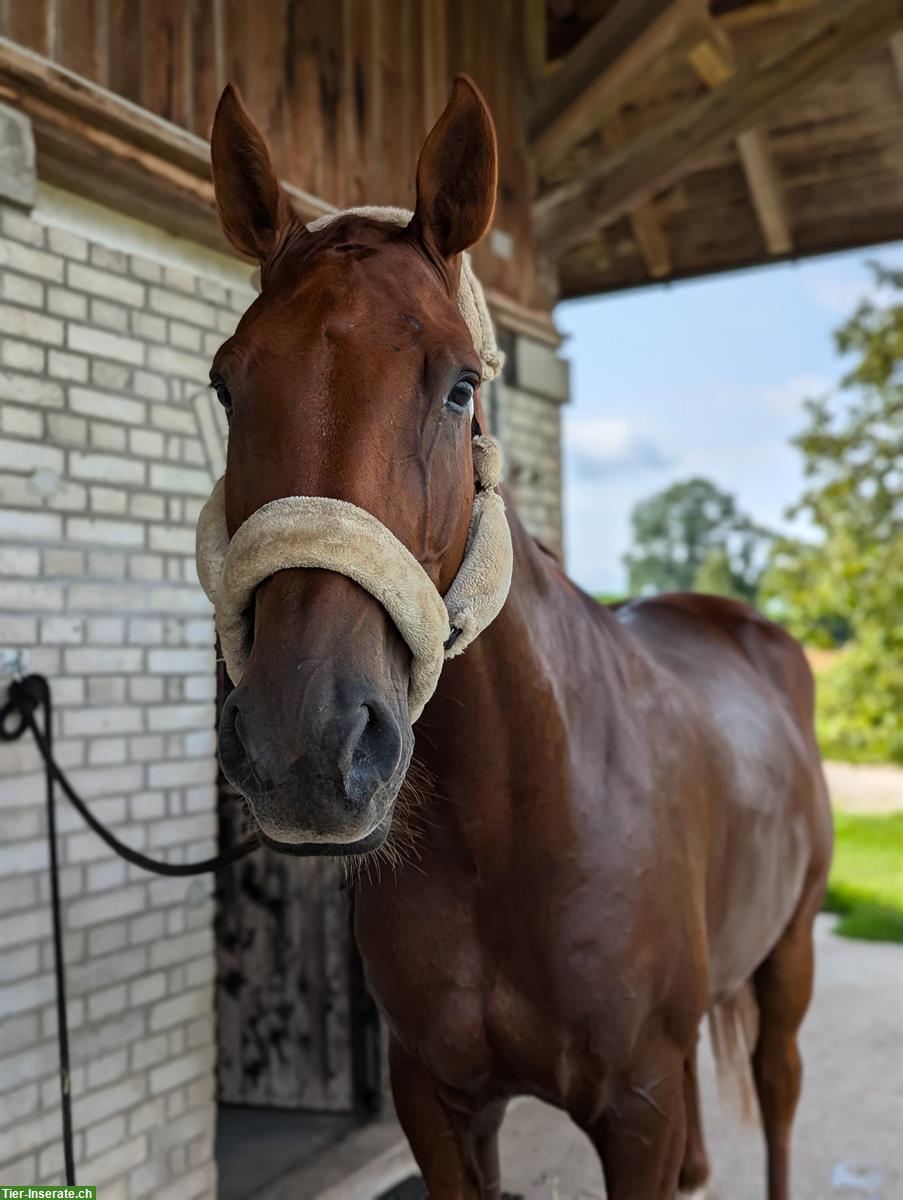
(476, 1000)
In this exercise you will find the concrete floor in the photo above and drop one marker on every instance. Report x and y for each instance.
(848, 1142)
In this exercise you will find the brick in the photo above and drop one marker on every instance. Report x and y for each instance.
(29, 261)
(20, 997)
(62, 365)
(182, 281)
(92, 910)
(109, 259)
(105, 285)
(181, 661)
(63, 303)
(179, 420)
(70, 431)
(62, 630)
(152, 387)
(172, 541)
(180, 1009)
(29, 456)
(126, 1155)
(168, 361)
(70, 245)
(118, 533)
(21, 356)
(31, 596)
(104, 344)
(105, 468)
(109, 316)
(21, 289)
(98, 721)
(146, 269)
(106, 690)
(183, 1069)
(107, 661)
(22, 322)
(179, 479)
(18, 561)
(105, 436)
(28, 389)
(114, 376)
(21, 422)
(19, 225)
(106, 565)
(147, 326)
(17, 631)
(106, 407)
(110, 501)
(105, 1134)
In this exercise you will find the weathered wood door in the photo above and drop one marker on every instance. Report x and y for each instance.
(296, 1026)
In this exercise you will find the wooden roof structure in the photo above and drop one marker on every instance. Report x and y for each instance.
(674, 138)
(641, 140)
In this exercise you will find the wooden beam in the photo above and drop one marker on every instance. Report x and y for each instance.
(713, 60)
(896, 50)
(754, 14)
(114, 152)
(644, 219)
(766, 189)
(590, 83)
(611, 187)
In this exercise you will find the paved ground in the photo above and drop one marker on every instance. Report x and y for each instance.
(865, 787)
(849, 1134)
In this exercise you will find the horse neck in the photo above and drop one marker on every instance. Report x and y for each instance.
(499, 711)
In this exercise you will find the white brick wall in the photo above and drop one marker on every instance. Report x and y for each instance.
(108, 443)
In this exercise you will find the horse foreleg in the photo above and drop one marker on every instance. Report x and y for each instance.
(641, 1137)
(694, 1171)
(783, 986)
(456, 1150)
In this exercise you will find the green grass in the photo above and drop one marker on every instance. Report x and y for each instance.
(866, 885)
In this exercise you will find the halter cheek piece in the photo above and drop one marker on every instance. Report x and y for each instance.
(318, 531)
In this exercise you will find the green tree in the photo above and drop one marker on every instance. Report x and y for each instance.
(693, 534)
(848, 584)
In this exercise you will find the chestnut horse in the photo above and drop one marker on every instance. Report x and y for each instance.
(625, 823)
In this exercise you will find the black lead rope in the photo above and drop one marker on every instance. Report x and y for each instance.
(25, 698)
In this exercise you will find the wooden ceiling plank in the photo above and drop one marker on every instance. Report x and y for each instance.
(645, 221)
(590, 83)
(754, 14)
(766, 189)
(608, 189)
(896, 49)
(713, 60)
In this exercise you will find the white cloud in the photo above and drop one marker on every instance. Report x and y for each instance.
(789, 397)
(599, 446)
(843, 296)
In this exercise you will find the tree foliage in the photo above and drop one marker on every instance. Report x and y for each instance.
(691, 537)
(848, 584)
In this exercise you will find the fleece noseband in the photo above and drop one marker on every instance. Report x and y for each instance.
(334, 535)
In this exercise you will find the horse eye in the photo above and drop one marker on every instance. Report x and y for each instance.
(222, 394)
(460, 398)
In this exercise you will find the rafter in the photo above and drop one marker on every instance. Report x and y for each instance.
(644, 219)
(590, 83)
(896, 49)
(713, 60)
(662, 155)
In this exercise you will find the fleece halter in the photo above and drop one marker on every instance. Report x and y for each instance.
(334, 535)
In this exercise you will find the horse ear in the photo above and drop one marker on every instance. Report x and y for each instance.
(457, 174)
(253, 209)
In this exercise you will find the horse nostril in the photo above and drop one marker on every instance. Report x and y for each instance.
(372, 752)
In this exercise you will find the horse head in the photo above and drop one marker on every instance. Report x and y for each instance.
(353, 376)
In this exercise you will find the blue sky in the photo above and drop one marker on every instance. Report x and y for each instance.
(702, 378)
